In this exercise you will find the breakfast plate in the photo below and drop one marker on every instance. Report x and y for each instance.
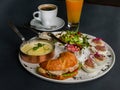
(38, 25)
(82, 75)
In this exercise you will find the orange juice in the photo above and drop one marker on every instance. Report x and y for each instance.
(74, 9)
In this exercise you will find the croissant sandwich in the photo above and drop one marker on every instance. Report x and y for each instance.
(63, 67)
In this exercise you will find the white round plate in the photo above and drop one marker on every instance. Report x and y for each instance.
(82, 76)
(37, 25)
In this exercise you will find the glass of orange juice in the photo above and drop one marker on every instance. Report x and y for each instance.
(74, 9)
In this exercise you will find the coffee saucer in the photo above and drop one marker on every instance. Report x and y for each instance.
(38, 25)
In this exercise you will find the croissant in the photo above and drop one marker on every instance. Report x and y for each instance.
(65, 63)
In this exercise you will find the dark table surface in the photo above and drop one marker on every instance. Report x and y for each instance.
(98, 20)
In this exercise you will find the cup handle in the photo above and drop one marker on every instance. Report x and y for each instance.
(37, 17)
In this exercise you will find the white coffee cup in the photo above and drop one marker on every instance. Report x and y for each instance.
(47, 14)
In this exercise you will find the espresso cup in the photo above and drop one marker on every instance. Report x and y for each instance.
(46, 14)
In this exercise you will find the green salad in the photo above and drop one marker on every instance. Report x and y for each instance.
(75, 38)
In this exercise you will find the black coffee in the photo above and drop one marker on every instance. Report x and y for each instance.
(48, 8)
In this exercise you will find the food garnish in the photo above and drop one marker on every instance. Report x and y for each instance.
(38, 46)
(74, 39)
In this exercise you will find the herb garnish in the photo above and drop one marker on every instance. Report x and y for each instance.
(38, 46)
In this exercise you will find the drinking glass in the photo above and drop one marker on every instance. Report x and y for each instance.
(74, 9)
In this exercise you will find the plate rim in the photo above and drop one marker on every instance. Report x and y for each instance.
(76, 81)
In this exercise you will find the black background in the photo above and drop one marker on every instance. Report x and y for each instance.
(98, 20)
